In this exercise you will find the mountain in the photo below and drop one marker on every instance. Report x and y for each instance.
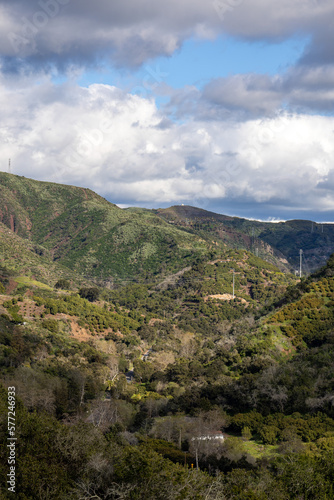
(280, 242)
(23, 263)
(91, 236)
(84, 232)
(116, 396)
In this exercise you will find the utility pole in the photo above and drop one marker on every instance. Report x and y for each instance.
(300, 262)
(233, 282)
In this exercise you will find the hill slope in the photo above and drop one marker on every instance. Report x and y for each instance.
(95, 238)
(22, 261)
(272, 241)
(108, 388)
(88, 234)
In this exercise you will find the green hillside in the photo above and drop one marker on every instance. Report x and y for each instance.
(126, 385)
(316, 241)
(23, 262)
(130, 382)
(231, 232)
(276, 242)
(95, 238)
(91, 236)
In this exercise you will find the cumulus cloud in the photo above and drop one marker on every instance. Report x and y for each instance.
(246, 140)
(64, 32)
(113, 142)
(301, 89)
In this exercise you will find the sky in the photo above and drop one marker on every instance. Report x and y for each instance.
(227, 105)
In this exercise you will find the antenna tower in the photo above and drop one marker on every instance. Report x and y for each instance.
(300, 262)
(9, 166)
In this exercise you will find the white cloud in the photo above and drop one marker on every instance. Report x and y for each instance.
(232, 143)
(111, 141)
(301, 89)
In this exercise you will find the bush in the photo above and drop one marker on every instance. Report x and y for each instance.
(91, 294)
(269, 434)
(51, 325)
(63, 284)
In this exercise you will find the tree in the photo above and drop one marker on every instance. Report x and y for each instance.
(91, 294)
(63, 284)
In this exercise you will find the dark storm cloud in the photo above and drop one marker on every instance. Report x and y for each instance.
(72, 31)
(64, 32)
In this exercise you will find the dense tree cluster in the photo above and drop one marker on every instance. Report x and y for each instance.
(124, 395)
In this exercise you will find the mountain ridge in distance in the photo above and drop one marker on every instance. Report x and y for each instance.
(287, 238)
(117, 370)
(92, 236)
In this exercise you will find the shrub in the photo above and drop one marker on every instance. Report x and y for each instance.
(63, 284)
(91, 294)
(269, 434)
(51, 325)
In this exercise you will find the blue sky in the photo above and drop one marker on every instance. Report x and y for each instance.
(154, 104)
(197, 62)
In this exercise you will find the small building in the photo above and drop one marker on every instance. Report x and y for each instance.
(210, 436)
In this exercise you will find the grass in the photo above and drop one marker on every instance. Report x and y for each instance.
(25, 280)
(259, 450)
(279, 340)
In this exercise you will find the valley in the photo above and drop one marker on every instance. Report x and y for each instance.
(163, 354)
